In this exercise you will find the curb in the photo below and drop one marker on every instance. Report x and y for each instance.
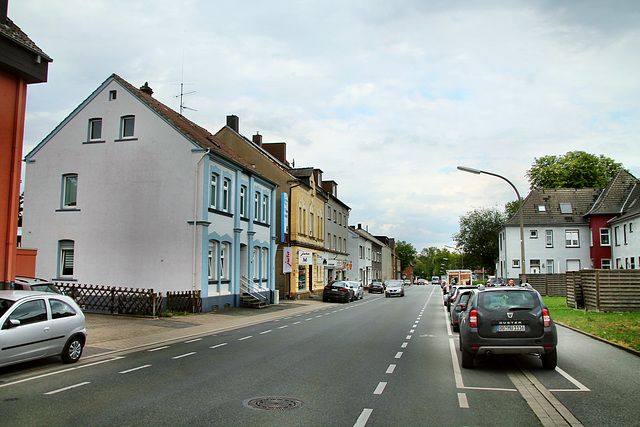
(604, 340)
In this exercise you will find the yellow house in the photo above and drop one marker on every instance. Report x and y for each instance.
(306, 235)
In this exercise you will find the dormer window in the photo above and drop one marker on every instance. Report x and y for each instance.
(542, 208)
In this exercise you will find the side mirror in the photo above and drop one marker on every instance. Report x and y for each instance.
(458, 308)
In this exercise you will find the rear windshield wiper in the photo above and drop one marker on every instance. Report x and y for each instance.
(520, 308)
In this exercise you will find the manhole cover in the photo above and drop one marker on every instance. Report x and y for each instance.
(275, 403)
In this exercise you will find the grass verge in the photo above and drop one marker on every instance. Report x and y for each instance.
(621, 328)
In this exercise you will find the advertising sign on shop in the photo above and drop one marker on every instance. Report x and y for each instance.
(305, 258)
(286, 261)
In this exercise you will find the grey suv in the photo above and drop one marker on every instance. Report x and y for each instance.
(507, 320)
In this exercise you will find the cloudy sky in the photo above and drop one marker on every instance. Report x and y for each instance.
(386, 97)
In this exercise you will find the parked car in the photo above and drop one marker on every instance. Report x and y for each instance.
(337, 291)
(451, 296)
(34, 284)
(40, 324)
(358, 290)
(507, 320)
(457, 306)
(495, 281)
(394, 288)
(435, 280)
(376, 287)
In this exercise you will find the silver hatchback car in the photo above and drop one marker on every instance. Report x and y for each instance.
(34, 325)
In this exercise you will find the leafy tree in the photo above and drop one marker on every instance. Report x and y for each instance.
(478, 236)
(406, 252)
(510, 208)
(576, 169)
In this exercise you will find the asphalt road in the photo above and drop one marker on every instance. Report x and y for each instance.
(376, 362)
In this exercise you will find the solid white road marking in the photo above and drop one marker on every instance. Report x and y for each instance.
(577, 383)
(363, 418)
(380, 388)
(134, 369)
(390, 369)
(66, 388)
(462, 400)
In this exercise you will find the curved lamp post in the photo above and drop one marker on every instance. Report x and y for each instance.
(478, 172)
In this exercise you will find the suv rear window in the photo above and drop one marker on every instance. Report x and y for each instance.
(507, 300)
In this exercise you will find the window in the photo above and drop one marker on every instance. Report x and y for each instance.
(572, 238)
(113, 94)
(534, 265)
(605, 238)
(213, 257)
(335, 216)
(265, 263)
(616, 232)
(566, 208)
(548, 238)
(632, 263)
(226, 194)
(340, 218)
(30, 312)
(214, 191)
(624, 235)
(265, 208)
(256, 263)
(515, 263)
(335, 244)
(225, 260)
(66, 258)
(311, 224)
(328, 242)
(127, 126)
(70, 190)
(95, 129)
(542, 208)
(549, 266)
(533, 234)
(243, 201)
(606, 264)
(256, 206)
(60, 309)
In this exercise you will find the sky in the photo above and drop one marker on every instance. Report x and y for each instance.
(387, 98)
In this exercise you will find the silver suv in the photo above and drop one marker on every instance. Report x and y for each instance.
(507, 320)
(34, 325)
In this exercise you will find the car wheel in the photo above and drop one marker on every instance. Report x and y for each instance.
(549, 360)
(467, 359)
(456, 328)
(72, 350)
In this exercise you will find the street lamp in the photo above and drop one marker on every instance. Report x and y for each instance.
(478, 172)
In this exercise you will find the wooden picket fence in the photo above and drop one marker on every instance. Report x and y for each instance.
(189, 301)
(112, 299)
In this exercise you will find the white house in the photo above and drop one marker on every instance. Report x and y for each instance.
(127, 192)
(625, 245)
(556, 233)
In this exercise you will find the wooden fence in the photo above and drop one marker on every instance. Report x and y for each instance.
(113, 299)
(189, 301)
(593, 290)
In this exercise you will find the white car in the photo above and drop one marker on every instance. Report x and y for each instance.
(358, 290)
(34, 325)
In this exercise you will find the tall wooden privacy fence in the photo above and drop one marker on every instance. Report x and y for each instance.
(593, 290)
(111, 299)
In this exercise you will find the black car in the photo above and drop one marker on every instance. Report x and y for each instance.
(507, 320)
(376, 287)
(337, 291)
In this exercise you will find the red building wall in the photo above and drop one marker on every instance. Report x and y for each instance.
(13, 91)
(597, 252)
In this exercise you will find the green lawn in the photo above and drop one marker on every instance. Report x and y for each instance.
(621, 328)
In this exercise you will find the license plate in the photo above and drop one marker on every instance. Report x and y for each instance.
(511, 328)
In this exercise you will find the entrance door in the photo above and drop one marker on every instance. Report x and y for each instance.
(310, 267)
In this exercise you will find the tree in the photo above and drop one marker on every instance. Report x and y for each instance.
(478, 236)
(576, 169)
(406, 252)
(510, 208)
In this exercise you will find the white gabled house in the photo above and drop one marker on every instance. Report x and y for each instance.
(127, 192)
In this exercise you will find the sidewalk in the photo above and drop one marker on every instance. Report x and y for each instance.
(108, 333)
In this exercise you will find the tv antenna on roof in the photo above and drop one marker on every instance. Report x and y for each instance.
(181, 96)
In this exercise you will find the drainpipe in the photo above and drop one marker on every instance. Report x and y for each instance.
(195, 220)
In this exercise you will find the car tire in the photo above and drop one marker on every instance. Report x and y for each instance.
(72, 349)
(549, 360)
(467, 359)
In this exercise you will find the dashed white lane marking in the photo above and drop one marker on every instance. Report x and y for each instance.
(462, 401)
(193, 340)
(266, 332)
(408, 337)
(404, 345)
(296, 323)
(134, 369)
(184, 355)
(282, 327)
(245, 338)
(390, 369)
(219, 345)
(158, 348)
(66, 388)
(363, 418)
(398, 355)
(380, 388)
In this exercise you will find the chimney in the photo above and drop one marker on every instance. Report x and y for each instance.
(359, 226)
(233, 122)
(277, 150)
(146, 89)
(4, 6)
(257, 139)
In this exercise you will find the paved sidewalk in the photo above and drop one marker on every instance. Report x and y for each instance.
(107, 333)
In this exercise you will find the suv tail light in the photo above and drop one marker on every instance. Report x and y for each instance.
(546, 318)
(473, 319)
